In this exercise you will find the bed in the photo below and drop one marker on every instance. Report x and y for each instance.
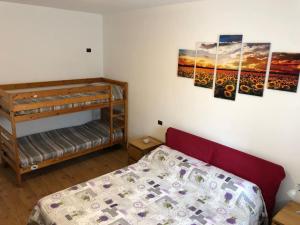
(117, 94)
(53, 144)
(174, 184)
(22, 102)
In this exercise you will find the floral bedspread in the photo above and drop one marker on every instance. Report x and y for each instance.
(166, 187)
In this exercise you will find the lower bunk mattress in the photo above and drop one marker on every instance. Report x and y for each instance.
(39, 147)
(166, 187)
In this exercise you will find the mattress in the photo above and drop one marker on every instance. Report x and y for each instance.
(164, 187)
(117, 94)
(39, 147)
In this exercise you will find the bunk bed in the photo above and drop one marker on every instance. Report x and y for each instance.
(31, 101)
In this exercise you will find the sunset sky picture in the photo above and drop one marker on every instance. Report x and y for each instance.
(205, 64)
(229, 56)
(228, 62)
(229, 52)
(285, 63)
(186, 63)
(284, 71)
(254, 67)
(206, 54)
(255, 57)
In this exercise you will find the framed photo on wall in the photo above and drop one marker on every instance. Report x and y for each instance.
(186, 63)
(228, 63)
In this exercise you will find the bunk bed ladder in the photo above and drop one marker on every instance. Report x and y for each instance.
(111, 112)
(125, 136)
(15, 145)
(3, 162)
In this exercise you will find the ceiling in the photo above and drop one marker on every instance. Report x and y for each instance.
(100, 6)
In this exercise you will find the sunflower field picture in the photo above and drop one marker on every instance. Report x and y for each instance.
(230, 66)
(228, 62)
(254, 68)
(186, 63)
(284, 71)
(205, 64)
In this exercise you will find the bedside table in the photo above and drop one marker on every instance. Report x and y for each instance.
(137, 148)
(287, 215)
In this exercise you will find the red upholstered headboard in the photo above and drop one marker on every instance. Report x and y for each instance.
(264, 174)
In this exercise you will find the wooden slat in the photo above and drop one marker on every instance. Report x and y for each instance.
(118, 115)
(62, 91)
(118, 102)
(117, 128)
(3, 93)
(38, 105)
(9, 151)
(4, 114)
(65, 157)
(5, 104)
(8, 144)
(6, 133)
(49, 83)
(10, 162)
(111, 81)
(40, 115)
(119, 121)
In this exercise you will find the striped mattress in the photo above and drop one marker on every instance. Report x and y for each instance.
(39, 147)
(117, 94)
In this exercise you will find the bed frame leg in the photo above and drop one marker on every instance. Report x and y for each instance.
(19, 179)
(3, 162)
(124, 145)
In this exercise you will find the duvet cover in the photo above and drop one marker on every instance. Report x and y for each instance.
(165, 187)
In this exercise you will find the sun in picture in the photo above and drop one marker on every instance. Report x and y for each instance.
(228, 61)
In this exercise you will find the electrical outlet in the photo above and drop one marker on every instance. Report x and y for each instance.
(159, 122)
(88, 50)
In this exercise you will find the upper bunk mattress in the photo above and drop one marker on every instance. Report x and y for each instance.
(36, 148)
(165, 187)
(117, 94)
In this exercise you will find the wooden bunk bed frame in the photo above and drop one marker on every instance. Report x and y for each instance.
(8, 139)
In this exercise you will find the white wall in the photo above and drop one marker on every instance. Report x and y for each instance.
(141, 47)
(41, 44)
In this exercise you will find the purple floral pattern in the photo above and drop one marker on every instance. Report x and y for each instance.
(164, 187)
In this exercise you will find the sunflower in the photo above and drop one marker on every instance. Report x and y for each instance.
(286, 87)
(271, 84)
(228, 94)
(277, 85)
(203, 82)
(220, 82)
(245, 88)
(229, 87)
(259, 86)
